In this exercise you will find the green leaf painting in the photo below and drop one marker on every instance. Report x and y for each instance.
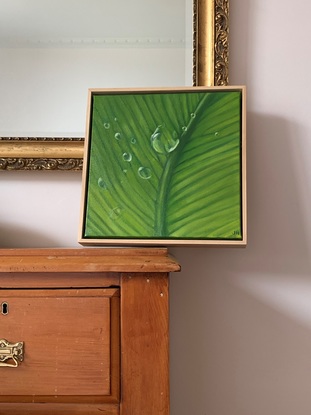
(164, 165)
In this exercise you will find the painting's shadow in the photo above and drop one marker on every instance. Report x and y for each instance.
(277, 213)
(240, 319)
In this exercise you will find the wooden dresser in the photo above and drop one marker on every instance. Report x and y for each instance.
(84, 331)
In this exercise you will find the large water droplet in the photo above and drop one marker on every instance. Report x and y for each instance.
(117, 136)
(127, 157)
(144, 172)
(164, 143)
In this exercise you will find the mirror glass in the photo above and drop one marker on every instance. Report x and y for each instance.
(53, 51)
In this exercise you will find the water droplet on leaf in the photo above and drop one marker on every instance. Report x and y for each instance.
(164, 143)
(144, 172)
(115, 213)
(117, 136)
(101, 183)
(127, 157)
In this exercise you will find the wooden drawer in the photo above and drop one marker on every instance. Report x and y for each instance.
(70, 345)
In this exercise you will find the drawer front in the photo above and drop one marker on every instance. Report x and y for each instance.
(70, 345)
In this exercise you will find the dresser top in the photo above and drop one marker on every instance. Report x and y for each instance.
(87, 260)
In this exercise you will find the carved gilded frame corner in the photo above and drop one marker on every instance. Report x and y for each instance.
(210, 67)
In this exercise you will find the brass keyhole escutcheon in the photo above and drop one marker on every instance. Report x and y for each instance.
(4, 308)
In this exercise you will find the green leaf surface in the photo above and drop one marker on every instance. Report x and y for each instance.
(165, 165)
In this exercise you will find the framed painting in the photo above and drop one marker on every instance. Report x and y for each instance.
(165, 167)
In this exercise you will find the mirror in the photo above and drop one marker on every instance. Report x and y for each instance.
(52, 51)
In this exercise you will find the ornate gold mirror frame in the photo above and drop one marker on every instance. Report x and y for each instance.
(210, 67)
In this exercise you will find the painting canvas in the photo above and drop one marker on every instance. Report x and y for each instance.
(164, 167)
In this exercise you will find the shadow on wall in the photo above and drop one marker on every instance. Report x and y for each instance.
(241, 318)
(278, 232)
(12, 236)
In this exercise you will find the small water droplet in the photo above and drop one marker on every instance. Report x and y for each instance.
(116, 119)
(101, 183)
(193, 115)
(144, 172)
(124, 171)
(133, 140)
(106, 125)
(216, 134)
(115, 213)
(127, 157)
(184, 128)
(117, 136)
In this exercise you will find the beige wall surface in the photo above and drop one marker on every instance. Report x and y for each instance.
(240, 318)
